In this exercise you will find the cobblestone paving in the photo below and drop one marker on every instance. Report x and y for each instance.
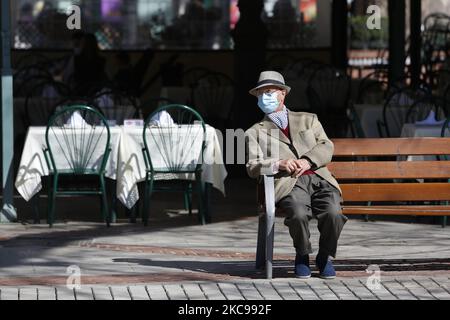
(180, 260)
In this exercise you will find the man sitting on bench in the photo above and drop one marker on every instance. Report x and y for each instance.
(294, 148)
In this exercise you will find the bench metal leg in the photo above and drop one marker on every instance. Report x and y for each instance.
(261, 246)
(269, 248)
(269, 188)
(444, 222)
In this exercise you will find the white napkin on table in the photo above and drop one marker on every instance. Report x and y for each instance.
(162, 118)
(430, 120)
(76, 121)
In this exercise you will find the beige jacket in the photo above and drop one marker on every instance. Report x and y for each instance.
(266, 145)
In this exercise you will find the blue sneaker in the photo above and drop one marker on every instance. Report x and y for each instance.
(326, 268)
(302, 270)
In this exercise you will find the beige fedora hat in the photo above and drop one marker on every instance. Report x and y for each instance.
(270, 78)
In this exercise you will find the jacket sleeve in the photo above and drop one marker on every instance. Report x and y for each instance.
(257, 164)
(322, 154)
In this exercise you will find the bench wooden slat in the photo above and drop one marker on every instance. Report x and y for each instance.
(396, 192)
(398, 210)
(391, 170)
(391, 147)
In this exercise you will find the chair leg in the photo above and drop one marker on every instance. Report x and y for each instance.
(189, 198)
(201, 200)
(132, 212)
(261, 245)
(105, 212)
(35, 205)
(147, 194)
(444, 222)
(207, 197)
(186, 200)
(52, 200)
(113, 201)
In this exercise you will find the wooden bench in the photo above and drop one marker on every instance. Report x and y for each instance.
(375, 179)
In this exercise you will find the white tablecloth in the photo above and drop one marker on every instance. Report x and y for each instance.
(411, 130)
(125, 164)
(369, 115)
(132, 168)
(33, 165)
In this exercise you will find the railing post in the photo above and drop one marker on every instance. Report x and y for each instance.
(8, 212)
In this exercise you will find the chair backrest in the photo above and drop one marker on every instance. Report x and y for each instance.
(116, 105)
(28, 77)
(78, 140)
(365, 181)
(439, 81)
(191, 76)
(421, 109)
(149, 105)
(279, 62)
(373, 88)
(174, 140)
(297, 75)
(329, 89)
(328, 94)
(34, 59)
(396, 109)
(213, 95)
(41, 100)
(301, 69)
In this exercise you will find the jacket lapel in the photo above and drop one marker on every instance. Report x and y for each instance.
(270, 126)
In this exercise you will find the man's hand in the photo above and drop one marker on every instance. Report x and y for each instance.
(303, 165)
(295, 168)
(288, 166)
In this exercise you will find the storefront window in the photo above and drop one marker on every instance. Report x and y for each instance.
(167, 24)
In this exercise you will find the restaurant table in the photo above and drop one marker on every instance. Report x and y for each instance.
(369, 115)
(132, 169)
(125, 165)
(411, 130)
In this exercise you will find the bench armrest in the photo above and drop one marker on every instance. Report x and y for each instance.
(269, 198)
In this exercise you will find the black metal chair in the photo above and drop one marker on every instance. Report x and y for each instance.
(421, 109)
(329, 97)
(71, 151)
(279, 62)
(41, 101)
(116, 105)
(396, 108)
(28, 77)
(149, 105)
(373, 88)
(176, 151)
(213, 97)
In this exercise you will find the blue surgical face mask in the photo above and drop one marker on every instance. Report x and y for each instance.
(268, 102)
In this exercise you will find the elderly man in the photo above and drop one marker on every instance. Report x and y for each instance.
(294, 147)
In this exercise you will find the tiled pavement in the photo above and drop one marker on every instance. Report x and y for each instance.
(391, 288)
(178, 259)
